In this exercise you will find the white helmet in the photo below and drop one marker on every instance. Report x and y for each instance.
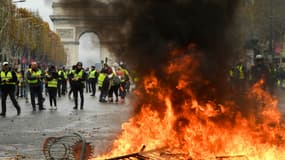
(116, 64)
(259, 56)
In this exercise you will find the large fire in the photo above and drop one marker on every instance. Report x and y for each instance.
(200, 130)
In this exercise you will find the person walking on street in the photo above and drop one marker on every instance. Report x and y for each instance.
(19, 86)
(35, 77)
(26, 83)
(8, 85)
(64, 82)
(60, 79)
(52, 80)
(78, 84)
(92, 78)
(70, 76)
(101, 79)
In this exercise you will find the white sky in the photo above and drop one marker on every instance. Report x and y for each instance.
(89, 50)
(42, 6)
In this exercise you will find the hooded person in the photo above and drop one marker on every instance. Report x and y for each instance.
(260, 70)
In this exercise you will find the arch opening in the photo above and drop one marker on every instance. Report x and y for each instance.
(89, 49)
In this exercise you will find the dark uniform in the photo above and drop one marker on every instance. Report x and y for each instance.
(34, 77)
(52, 80)
(59, 84)
(240, 77)
(70, 76)
(260, 71)
(8, 80)
(78, 79)
(92, 78)
(64, 82)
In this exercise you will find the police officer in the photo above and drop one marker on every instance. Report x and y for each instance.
(34, 77)
(260, 71)
(78, 79)
(8, 85)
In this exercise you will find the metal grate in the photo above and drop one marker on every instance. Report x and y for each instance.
(70, 147)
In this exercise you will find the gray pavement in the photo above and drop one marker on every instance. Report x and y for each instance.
(24, 135)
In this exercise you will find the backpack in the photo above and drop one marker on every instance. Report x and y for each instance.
(116, 80)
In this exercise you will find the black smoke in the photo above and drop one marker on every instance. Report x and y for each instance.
(151, 28)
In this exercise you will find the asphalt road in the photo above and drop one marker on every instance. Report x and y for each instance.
(24, 135)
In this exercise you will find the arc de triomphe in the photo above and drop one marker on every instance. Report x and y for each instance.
(72, 19)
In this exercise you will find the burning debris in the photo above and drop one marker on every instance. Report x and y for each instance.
(168, 154)
(182, 50)
(200, 130)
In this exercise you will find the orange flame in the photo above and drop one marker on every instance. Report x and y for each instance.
(201, 131)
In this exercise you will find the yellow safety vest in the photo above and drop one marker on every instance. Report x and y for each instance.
(35, 74)
(231, 73)
(59, 74)
(124, 77)
(19, 76)
(92, 74)
(64, 74)
(241, 74)
(52, 83)
(7, 77)
(101, 79)
(78, 75)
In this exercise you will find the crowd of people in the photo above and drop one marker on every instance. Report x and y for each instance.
(113, 83)
(270, 74)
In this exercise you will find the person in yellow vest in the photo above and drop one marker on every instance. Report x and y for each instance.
(26, 84)
(87, 82)
(92, 78)
(52, 80)
(231, 78)
(70, 76)
(8, 83)
(240, 77)
(34, 77)
(64, 81)
(103, 91)
(114, 85)
(60, 79)
(20, 85)
(78, 79)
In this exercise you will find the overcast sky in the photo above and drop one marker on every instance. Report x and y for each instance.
(42, 6)
(89, 51)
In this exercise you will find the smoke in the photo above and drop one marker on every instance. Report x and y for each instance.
(48, 2)
(151, 28)
(157, 27)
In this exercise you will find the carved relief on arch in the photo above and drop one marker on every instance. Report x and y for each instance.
(66, 33)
